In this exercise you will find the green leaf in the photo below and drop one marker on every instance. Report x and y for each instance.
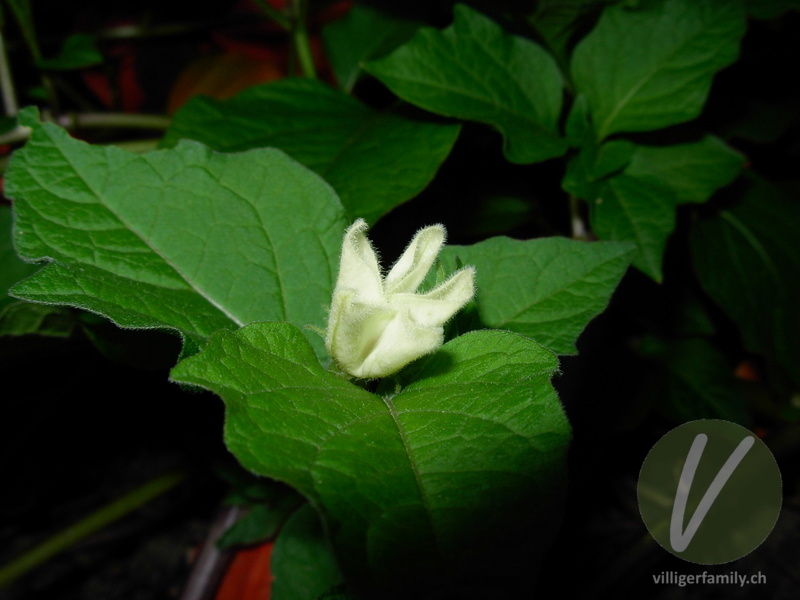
(693, 171)
(303, 565)
(693, 380)
(363, 34)
(374, 160)
(12, 268)
(270, 505)
(547, 289)
(476, 71)
(185, 238)
(652, 67)
(23, 318)
(637, 210)
(260, 524)
(389, 473)
(587, 170)
(639, 204)
(558, 21)
(79, 51)
(746, 258)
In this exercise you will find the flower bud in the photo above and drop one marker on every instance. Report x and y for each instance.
(377, 325)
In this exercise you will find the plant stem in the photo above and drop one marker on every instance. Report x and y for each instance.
(275, 15)
(577, 226)
(138, 146)
(22, 12)
(87, 526)
(211, 562)
(94, 121)
(111, 120)
(18, 134)
(6, 81)
(302, 45)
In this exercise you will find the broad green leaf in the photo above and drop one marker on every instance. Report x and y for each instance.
(374, 160)
(693, 171)
(587, 170)
(637, 210)
(547, 289)
(186, 238)
(692, 379)
(248, 489)
(270, 505)
(303, 564)
(648, 68)
(746, 258)
(12, 268)
(389, 473)
(23, 318)
(558, 21)
(260, 524)
(639, 204)
(476, 71)
(79, 51)
(363, 34)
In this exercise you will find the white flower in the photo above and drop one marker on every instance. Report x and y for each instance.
(377, 324)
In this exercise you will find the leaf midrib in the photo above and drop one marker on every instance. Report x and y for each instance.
(192, 285)
(417, 475)
(601, 132)
(554, 293)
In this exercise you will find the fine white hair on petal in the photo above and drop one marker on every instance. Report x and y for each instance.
(377, 325)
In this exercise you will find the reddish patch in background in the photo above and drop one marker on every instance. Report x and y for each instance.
(249, 576)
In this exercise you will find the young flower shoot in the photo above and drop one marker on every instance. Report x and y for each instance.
(378, 324)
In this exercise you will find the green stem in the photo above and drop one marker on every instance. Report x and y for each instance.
(302, 45)
(6, 81)
(275, 15)
(18, 134)
(138, 146)
(22, 12)
(87, 526)
(111, 120)
(576, 224)
(24, 17)
(94, 121)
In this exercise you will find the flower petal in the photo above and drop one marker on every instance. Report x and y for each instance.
(437, 306)
(415, 262)
(358, 267)
(401, 342)
(354, 330)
